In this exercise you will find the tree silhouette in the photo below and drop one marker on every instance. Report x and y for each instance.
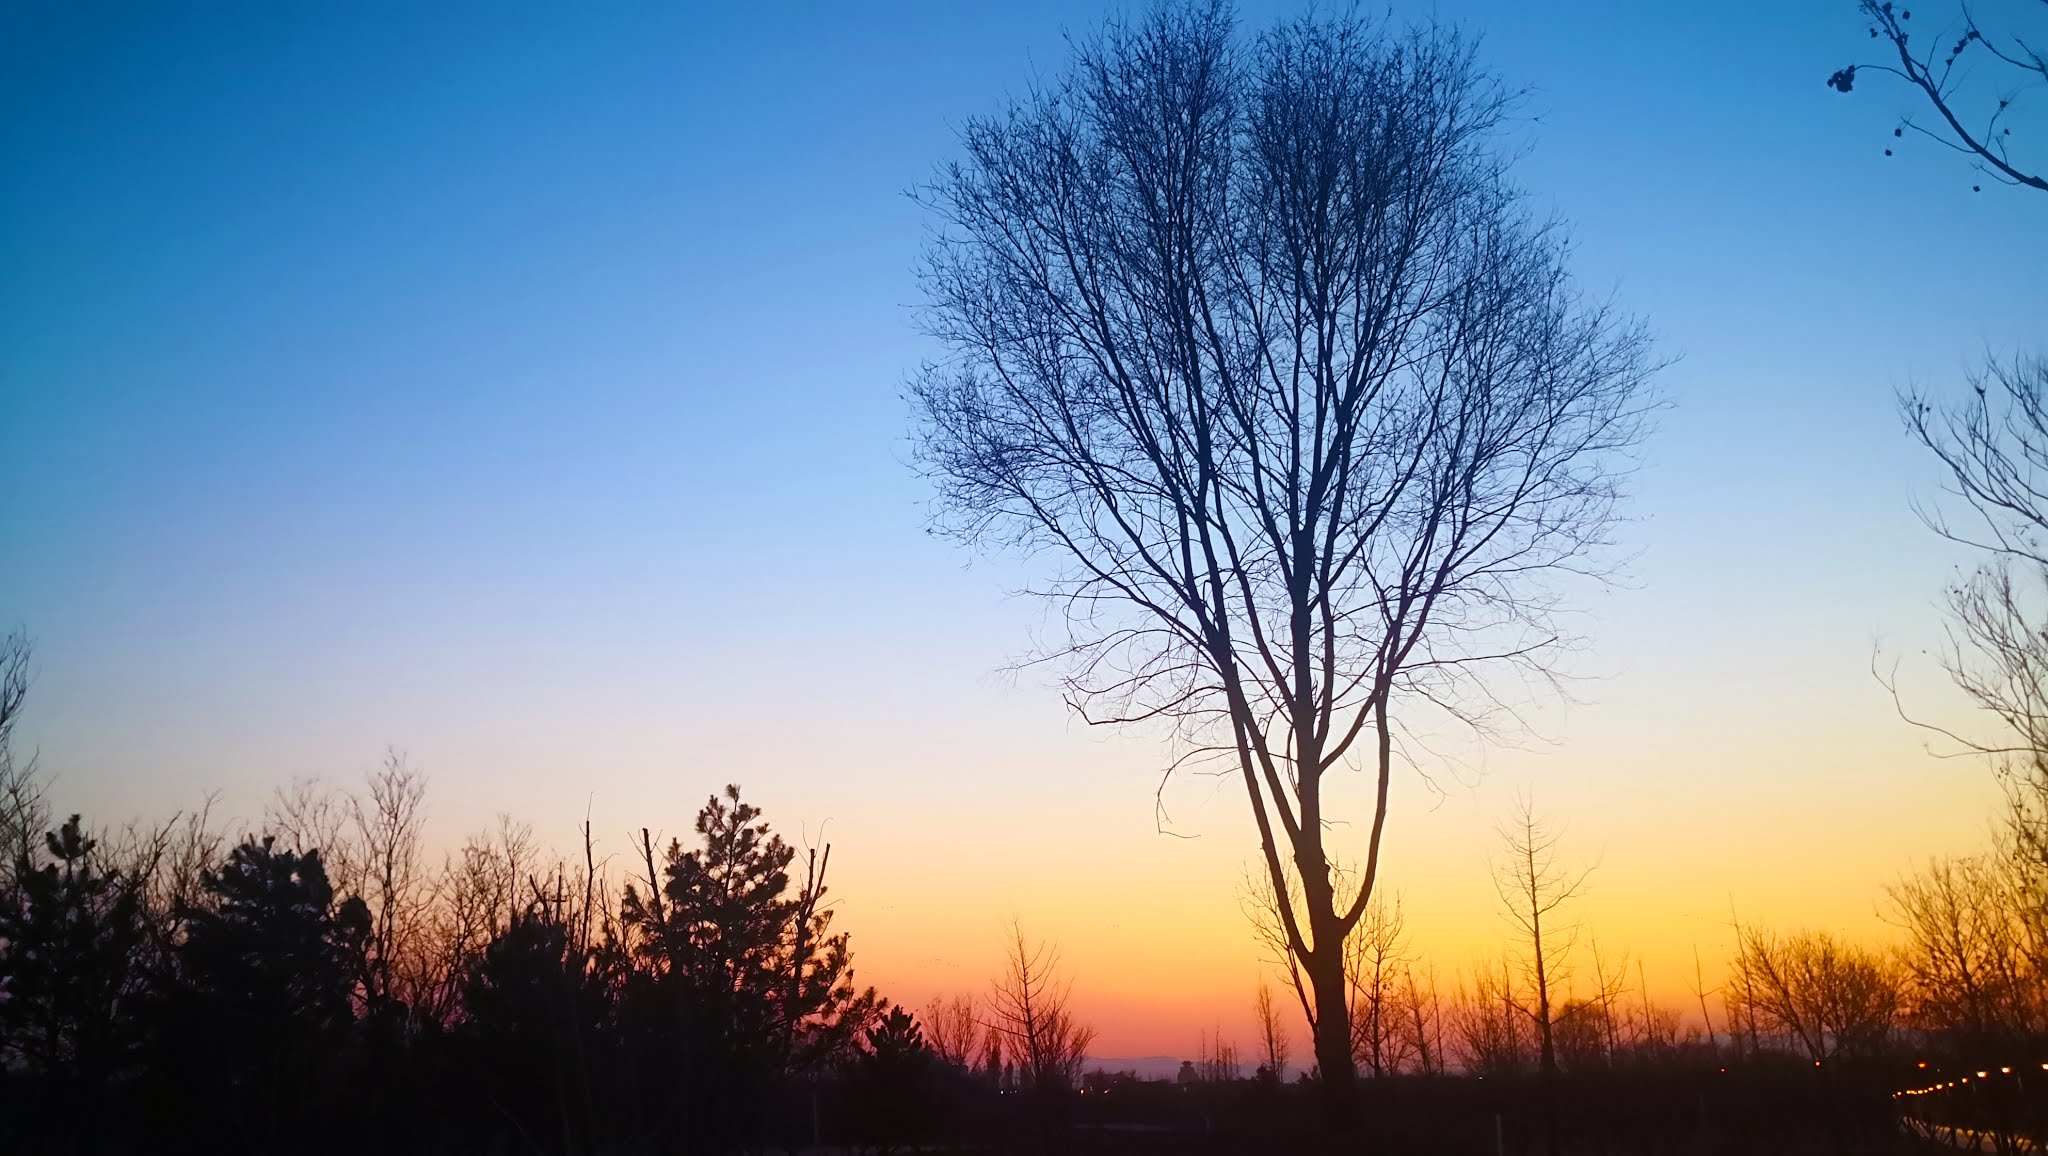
(263, 1003)
(71, 933)
(536, 1005)
(1425, 1021)
(1976, 117)
(1031, 1019)
(1973, 978)
(24, 816)
(1830, 998)
(1490, 1029)
(729, 927)
(1379, 959)
(1261, 345)
(1274, 1047)
(894, 1083)
(952, 1030)
(1533, 888)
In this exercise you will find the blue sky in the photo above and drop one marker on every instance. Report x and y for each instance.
(519, 385)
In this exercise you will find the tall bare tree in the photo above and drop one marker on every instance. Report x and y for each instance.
(1259, 345)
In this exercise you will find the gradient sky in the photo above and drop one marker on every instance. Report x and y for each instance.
(521, 389)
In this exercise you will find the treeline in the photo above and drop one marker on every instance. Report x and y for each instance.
(1964, 983)
(1944, 1024)
(321, 986)
(322, 995)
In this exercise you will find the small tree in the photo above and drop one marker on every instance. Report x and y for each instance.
(952, 1030)
(893, 1083)
(1533, 887)
(1031, 1018)
(1274, 1046)
(731, 925)
(1426, 1021)
(1379, 960)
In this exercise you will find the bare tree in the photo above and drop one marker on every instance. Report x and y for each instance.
(952, 1030)
(1828, 997)
(1217, 1061)
(1993, 443)
(1491, 1032)
(1609, 986)
(1976, 110)
(1657, 1027)
(167, 862)
(371, 844)
(24, 812)
(311, 815)
(1261, 347)
(1533, 887)
(1378, 962)
(1273, 1042)
(386, 819)
(1426, 1021)
(1700, 992)
(1582, 1033)
(475, 898)
(1029, 1015)
(1970, 976)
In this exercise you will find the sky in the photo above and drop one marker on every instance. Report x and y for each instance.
(520, 387)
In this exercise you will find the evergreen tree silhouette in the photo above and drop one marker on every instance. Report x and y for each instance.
(262, 1008)
(894, 1084)
(537, 1025)
(70, 939)
(746, 966)
(733, 932)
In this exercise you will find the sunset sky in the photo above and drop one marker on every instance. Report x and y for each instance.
(521, 390)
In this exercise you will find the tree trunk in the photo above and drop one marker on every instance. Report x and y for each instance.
(1339, 1073)
(1549, 1087)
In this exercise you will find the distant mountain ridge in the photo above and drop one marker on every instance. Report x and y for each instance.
(1144, 1067)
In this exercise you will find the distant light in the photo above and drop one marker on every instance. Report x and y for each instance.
(1981, 1075)
(1923, 1063)
(2007, 1071)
